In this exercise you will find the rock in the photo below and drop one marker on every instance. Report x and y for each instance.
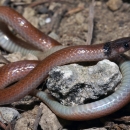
(42, 20)
(42, 9)
(8, 114)
(20, 9)
(114, 4)
(49, 120)
(75, 84)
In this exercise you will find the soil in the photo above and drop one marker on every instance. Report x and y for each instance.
(69, 25)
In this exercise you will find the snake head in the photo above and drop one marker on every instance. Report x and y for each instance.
(118, 46)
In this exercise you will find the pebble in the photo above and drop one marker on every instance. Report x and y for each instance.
(114, 4)
(42, 20)
(8, 114)
(54, 5)
(41, 9)
(79, 18)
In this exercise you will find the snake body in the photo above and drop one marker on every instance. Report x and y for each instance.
(67, 55)
(26, 30)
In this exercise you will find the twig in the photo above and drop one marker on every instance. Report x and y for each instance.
(75, 10)
(2, 125)
(90, 23)
(55, 20)
(37, 118)
(45, 1)
(57, 17)
(20, 3)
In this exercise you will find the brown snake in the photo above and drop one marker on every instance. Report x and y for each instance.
(64, 56)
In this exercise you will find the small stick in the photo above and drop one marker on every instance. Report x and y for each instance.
(75, 10)
(45, 1)
(2, 125)
(39, 113)
(90, 23)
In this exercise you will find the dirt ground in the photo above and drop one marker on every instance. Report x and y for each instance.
(70, 23)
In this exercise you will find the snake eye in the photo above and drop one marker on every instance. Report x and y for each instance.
(126, 45)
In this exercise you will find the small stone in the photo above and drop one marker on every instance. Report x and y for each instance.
(54, 5)
(48, 20)
(8, 114)
(20, 9)
(42, 20)
(30, 10)
(79, 18)
(114, 4)
(82, 5)
(41, 9)
(28, 1)
(74, 84)
(29, 57)
(16, 56)
(98, 3)
(84, 27)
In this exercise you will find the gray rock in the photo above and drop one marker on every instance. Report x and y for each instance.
(8, 114)
(74, 84)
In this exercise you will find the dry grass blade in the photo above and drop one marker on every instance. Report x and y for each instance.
(90, 23)
(35, 3)
(75, 10)
(56, 19)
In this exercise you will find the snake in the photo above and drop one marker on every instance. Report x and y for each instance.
(33, 73)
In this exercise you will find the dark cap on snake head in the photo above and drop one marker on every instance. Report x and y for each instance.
(118, 46)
